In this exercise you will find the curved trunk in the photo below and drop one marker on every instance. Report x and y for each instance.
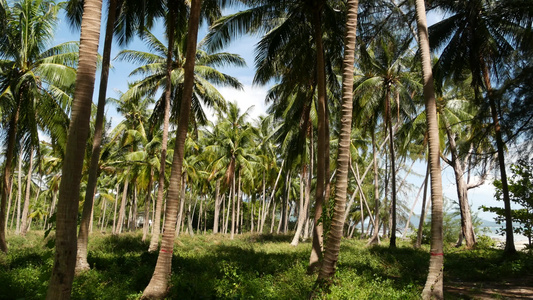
(331, 253)
(122, 210)
(157, 288)
(83, 234)
(317, 246)
(156, 229)
(6, 180)
(509, 238)
(19, 194)
(67, 206)
(434, 284)
(25, 211)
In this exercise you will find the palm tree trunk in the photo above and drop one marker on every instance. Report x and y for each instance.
(122, 210)
(114, 231)
(83, 234)
(467, 229)
(19, 194)
(331, 253)
(67, 207)
(157, 288)
(423, 213)
(375, 233)
(9, 200)
(302, 214)
(25, 210)
(434, 284)
(182, 206)
(232, 197)
(509, 238)
(217, 207)
(154, 241)
(6, 182)
(317, 245)
(388, 114)
(146, 224)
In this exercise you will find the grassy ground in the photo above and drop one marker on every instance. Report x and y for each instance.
(249, 267)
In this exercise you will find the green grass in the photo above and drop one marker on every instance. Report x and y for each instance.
(249, 267)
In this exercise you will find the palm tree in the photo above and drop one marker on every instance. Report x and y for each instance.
(386, 79)
(157, 288)
(65, 254)
(331, 254)
(434, 284)
(34, 82)
(157, 75)
(479, 36)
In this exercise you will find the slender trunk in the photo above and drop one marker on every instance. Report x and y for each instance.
(232, 197)
(122, 210)
(228, 210)
(154, 241)
(375, 234)
(6, 178)
(434, 284)
(69, 190)
(133, 221)
(467, 229)
(272, 195)
(238, 196)
(146, 223)
(388, 114)
(10, 198)
(331, 253)
(317, 245)
(83, 234)
(182, 206)
(25, 211)
(308, 185)
(102, 225)
(158, 286)
(115, 211)
(302, 214)
(509, 238)
(423, 213)
(217, 207)
(273, 218)
(198, 228)
(19, 194)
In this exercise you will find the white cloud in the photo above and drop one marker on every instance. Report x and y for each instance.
(249, 96)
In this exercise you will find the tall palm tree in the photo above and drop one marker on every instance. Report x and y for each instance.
(157, 75)
(387, 81)
(434, 284)
(67, 210)
(332, 249)
(157, 288)
(34, 81)
(479, 36)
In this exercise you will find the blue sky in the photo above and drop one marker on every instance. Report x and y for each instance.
(254, 96)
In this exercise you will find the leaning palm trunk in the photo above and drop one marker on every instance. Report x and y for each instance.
(157, 288)
(331, 253)
(509, 238)
(467, 230)
(83, 235)
(317, 245)
(154, 241)
(69, 190)
(6, 180)
(25, 211)
(217, 207)
(146, 224)
(434, 284)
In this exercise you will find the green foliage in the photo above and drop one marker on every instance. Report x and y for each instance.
(249, 267)
(521, 193)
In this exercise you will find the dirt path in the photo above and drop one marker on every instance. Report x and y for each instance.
(516, 288)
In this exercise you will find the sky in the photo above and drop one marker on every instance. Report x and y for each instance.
(254, 96)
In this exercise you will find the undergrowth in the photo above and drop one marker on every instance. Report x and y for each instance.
(249, 267)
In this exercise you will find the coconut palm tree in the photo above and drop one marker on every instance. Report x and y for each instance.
(67, 207)
(332, 249)
(157, 288)
(434, 284)
(34, 81)
(385, 70)
(479, 36)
